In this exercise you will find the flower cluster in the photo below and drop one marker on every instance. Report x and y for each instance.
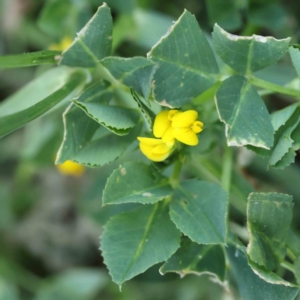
(169, 126)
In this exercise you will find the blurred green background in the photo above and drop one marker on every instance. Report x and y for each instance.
(50, 223)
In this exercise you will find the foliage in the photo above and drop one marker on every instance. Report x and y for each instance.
(183, 211)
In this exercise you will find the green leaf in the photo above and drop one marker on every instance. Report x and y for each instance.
(145, 110)
(28, 59)
(248, 54)
(287, 159)
(287, 137)
(136, 72)
(280, 117)
(244, 114)
(134, 241)
(251, 286)
(187, 66)
(122, 6)
(266, 246)
(134, 182)
(297, 270)
(41, 87)
(93, 42)
(73, 284)
(295, 56)
(57, 16)
(293, 242)
(14, 121)
(86, 143)
(192, 258)
(199, 211)
(150, 26)
(117, 119)
(225, 13)
(283, 141)
(273, 16)
(267, 275)
(8, 291)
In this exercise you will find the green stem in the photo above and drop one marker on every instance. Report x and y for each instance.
(288, 266)
(174, 180)
(274, 87)
(226, 169)
(240, 231)
(103, 73)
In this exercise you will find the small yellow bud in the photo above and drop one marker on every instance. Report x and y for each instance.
(70, 168)
(62, 45)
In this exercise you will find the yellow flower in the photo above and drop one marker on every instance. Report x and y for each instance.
(182, 126)
(156, 149)
(186, 126)
(70, 168)
(162, 127)
(62, 45)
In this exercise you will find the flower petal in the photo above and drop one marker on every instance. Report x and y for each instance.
(161, 124)
(197, 126)
(150, 141)
(186, 136)
(168, 136)
(148, 152)
(172, 113)
(185, 119)
(70, 168)
(163, 148)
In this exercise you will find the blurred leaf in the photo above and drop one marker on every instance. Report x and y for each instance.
(76, 284)
(267, 246)
(13, 122)
(293, 242)
(268, 15)
(8, 291)
(225, 13)
(121, 6)
(136, 72)
(248, 54)
(28, 59)
(93, 42)
(134, 241)
(297, 269)
(56, 16)
(244, 114)
(251, 286)
(192, 258)
(134, 182)
(186, 71)
(150, 26)
(124, 29)
(41, 87)
(295, 56)
(199, 210)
